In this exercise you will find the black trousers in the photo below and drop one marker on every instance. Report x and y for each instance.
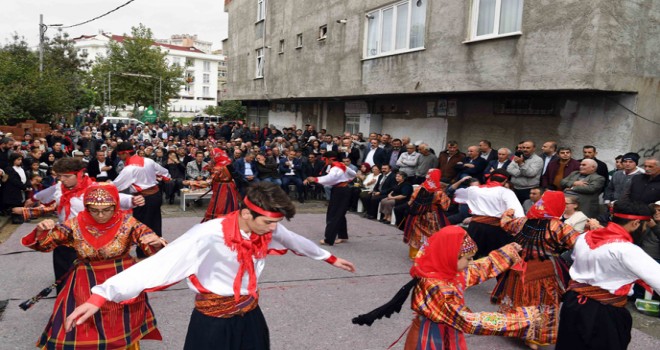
(488, 237)
(335, 218)
(149, 214)
(63, 258)
(372, 207)
(171, 187)
(592, 325)
(247, 332)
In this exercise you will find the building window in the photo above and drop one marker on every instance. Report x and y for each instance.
(176, 60)
(261, 10)
(396, 28)
(206, 78)
(299, 41)
(84, 51)
(207, 66)
(259, 72)
(281, 49)
(205, 91)
(323, 32)
(352, 124)
(494, 18)
(222, 74)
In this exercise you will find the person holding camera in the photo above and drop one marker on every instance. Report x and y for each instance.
(525, 170)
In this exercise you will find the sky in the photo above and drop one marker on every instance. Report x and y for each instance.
(206, 18)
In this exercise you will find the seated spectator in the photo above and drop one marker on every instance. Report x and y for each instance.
(197, 169)
(246, 169)
(534, 196)
(501, 162)
(459, 215)
(290, 169)
(267, 169)
(399, 195)
(100, 168)
(177, 176)
(587, 185)
(381, 190)
(558, 169)
(573, 216)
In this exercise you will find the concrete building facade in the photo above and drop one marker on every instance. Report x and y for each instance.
(579, 72)
(200, 76)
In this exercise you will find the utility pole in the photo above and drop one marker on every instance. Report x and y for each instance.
(42, 31)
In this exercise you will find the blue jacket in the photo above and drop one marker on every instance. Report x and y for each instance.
(297, 167)
(239, 165)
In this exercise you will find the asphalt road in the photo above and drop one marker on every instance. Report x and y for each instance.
(308, 304)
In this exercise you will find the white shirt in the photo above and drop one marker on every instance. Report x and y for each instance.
(21, 173)
(489, 201)
(336, 176)
(54, 193)
(140, 178)
(101, 172)
(370, 156)
(201, 252)
(248, 169)
(613, 265)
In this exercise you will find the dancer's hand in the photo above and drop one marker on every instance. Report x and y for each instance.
(344, 265)
(152, 239)
(46, 225)
(80, 315)
(138, 201)
(516, 246)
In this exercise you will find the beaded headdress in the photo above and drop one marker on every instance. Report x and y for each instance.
(101, 194)
(468, 247)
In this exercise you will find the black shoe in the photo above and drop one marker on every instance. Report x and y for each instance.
(301, 200)
(171, 201)
(370, 217)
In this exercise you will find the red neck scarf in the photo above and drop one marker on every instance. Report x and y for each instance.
(103, 233)
(135, 160)
(439, 258)
(246, 249)
(610, 234)
(67, 193)
(339, 165)
(432, 182)
(220, 157)
(551, 206)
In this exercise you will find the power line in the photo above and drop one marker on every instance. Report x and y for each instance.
(97, 17)
(631, 111)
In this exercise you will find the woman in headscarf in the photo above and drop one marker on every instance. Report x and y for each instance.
(102, 236)
(542, 277)
(225, 192)
(442, 271)
(426, 215)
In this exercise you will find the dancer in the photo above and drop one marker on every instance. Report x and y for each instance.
(441, 272)
(541, 279)
(225, 193)
(339, 177)
(426, 215)
(606, 265)
(102, 236)
(222, 259)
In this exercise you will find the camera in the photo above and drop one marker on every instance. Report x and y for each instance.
(519, 154)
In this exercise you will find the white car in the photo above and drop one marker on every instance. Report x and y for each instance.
(208, 119)
(125, 120)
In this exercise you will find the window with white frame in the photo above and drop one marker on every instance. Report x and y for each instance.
(495, 18)
(205, 91)
(299, 41)
(206, 78)
(323, 32)
(281, 49)
(261, 10)
(259, 72)
(396, 28)
(207, 66)
(176, 60)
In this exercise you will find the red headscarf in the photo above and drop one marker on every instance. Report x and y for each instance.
(67, 193)
(439, 258)
(95, 233)
(551, 206)
(432, 183)
(220, 157)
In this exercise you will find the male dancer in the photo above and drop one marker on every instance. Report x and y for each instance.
(339, 177)
(606, 266)
(222, 259)
(68, 195)
(487, 203)
(140, 176)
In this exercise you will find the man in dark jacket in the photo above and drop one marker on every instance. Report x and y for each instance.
(559, 169)
(386, 185)
(646, 187)
(100, 168)
(375, 155)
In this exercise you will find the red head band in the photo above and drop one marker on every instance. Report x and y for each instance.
(632, 217)
(127, 151)
(256, 209)
(500, 176)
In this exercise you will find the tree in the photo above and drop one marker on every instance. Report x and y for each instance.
(232, 110)
(136, 67)
(212, 110)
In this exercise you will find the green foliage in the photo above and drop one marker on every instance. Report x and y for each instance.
(232, 110)
(212, 110)
(136, 55)
(27, 93)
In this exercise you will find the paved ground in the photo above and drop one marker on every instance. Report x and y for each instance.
(308, 304)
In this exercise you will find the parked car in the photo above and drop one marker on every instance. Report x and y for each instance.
(208, 119)
(125, 120)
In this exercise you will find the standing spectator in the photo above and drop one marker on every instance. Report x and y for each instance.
(645, 188)
(100, 168)
(427, 160)
(558, 169)
(394, 153)
(548, 154)
(525, 170)
(473, 165)
(589, 152)
(447, 161)
(502, 162)
(407, 162)
(587, 185)
(375, 155)
(617, 165)
(348, 150)
(88, 142)
(13, 190)
(486, 151)
(621, 179)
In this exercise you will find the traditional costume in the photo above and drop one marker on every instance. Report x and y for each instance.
(68, 203)
(339, 177)
(541, 279)
(140, 176)
(426, 214)
(225, 193)
(442, 316)
(487, 203)
(606, 265)
(102, 251)
(222, 264)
